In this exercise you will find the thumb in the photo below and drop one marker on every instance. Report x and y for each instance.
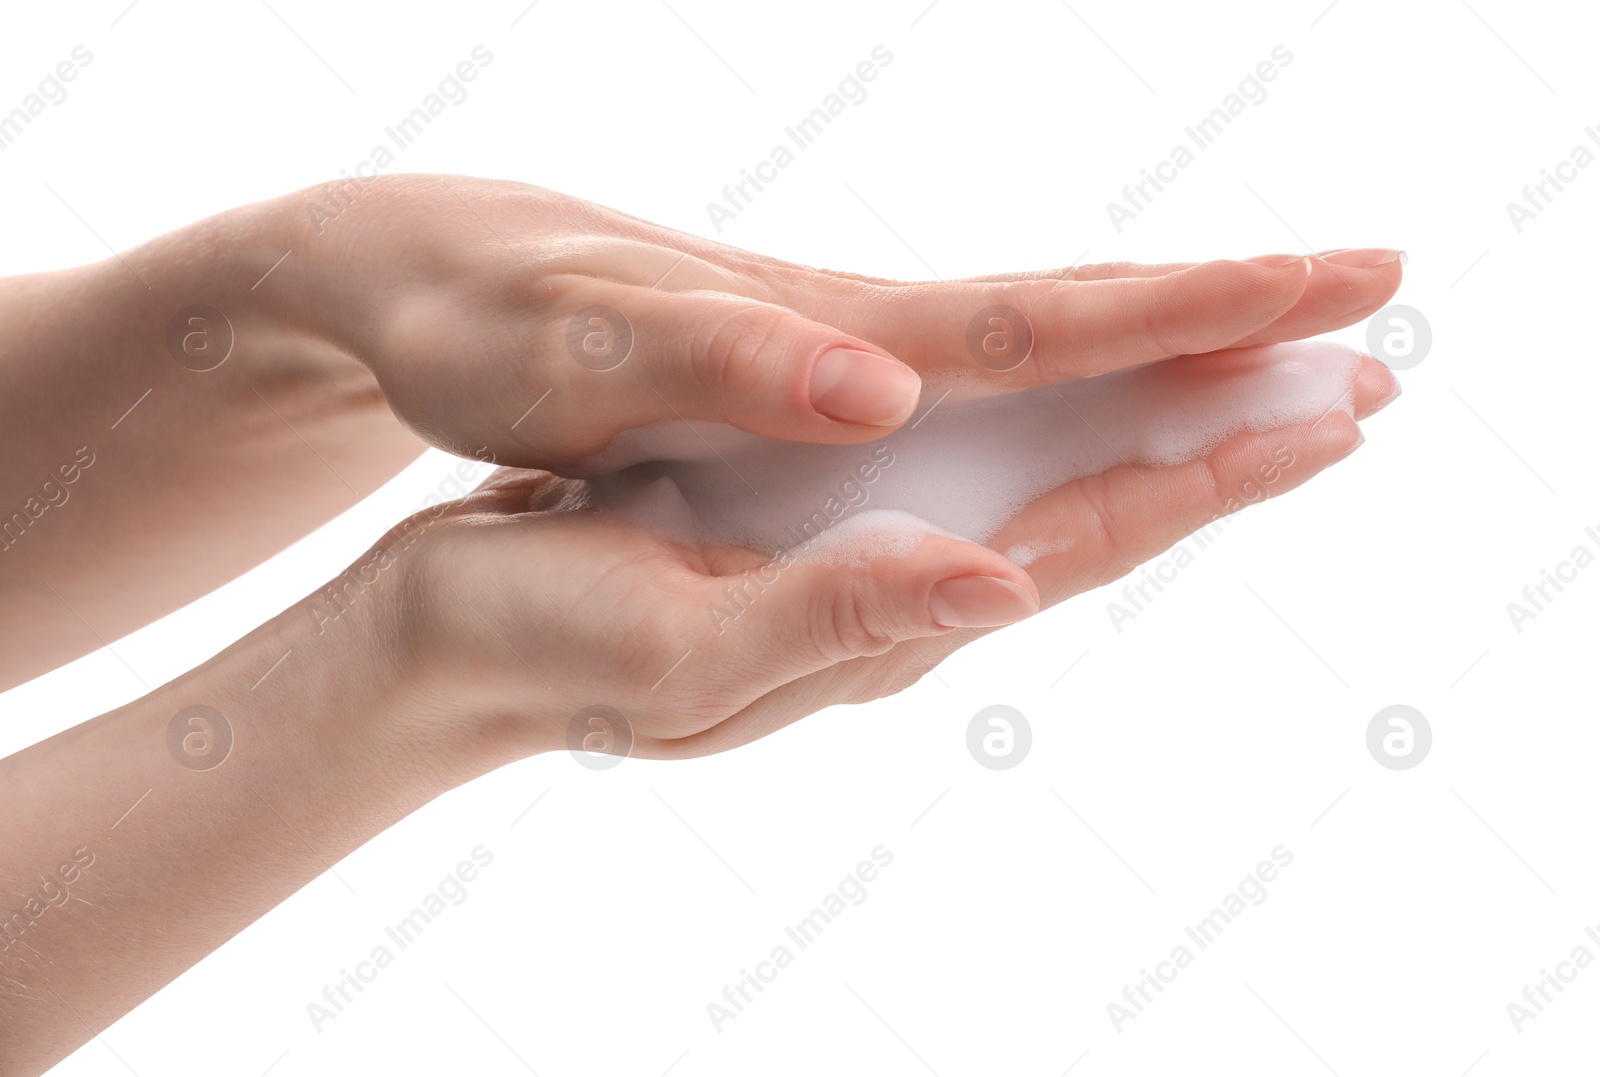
(859, 597)
(762, 368)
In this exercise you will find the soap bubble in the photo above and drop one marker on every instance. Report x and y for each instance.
(1399, 737)
(600, 338)
(599, 737)
(200, 337)
(199, 737)
(999, 737)
(999, 338)
(1400, 336)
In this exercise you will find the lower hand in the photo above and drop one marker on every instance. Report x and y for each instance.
(517, 607)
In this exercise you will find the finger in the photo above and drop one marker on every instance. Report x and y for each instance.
(657, 356)
(1098, 529)
(1346, 287)
(1135, 515)
(785, 626)
(1023, 333)
(1104, 525)
(1375, 388)
(1080, 536)
(1123, 270)
(1093, 271)
(846, 596)
(776, 621)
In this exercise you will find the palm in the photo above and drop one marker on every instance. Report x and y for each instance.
(652, 589)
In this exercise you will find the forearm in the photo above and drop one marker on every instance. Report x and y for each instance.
(134, 482)
(169, 848)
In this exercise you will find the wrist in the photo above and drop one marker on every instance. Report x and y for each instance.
(406, 657)
(221, 294)
(466, 672)
(299, 267)
(346, 269)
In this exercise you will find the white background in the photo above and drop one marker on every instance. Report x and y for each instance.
(1227, 719)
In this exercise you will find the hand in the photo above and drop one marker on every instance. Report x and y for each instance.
(492, 313)
(467, 303)
(446, 307)
(518, 607)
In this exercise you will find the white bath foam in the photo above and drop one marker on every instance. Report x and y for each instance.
(962, 468)
(1024, 554)
(861, 537)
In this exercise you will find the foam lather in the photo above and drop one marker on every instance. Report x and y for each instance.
(964, 466)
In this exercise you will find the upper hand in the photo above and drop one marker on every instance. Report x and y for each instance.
(504, 317)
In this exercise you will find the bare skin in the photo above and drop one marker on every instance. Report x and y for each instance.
(437, 310)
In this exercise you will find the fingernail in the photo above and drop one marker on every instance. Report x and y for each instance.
(1364, 257)
(979, 602)
(1391, 396)
(853, 386)
(1361, 439)
(1284, 261)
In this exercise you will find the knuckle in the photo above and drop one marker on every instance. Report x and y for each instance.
(743, 348)
(558, 294)
(1211, 476)
(1099, 271)
(847, 626)
(554, 302)
(1161, 320)
(1033, 296)
(1102, 518)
